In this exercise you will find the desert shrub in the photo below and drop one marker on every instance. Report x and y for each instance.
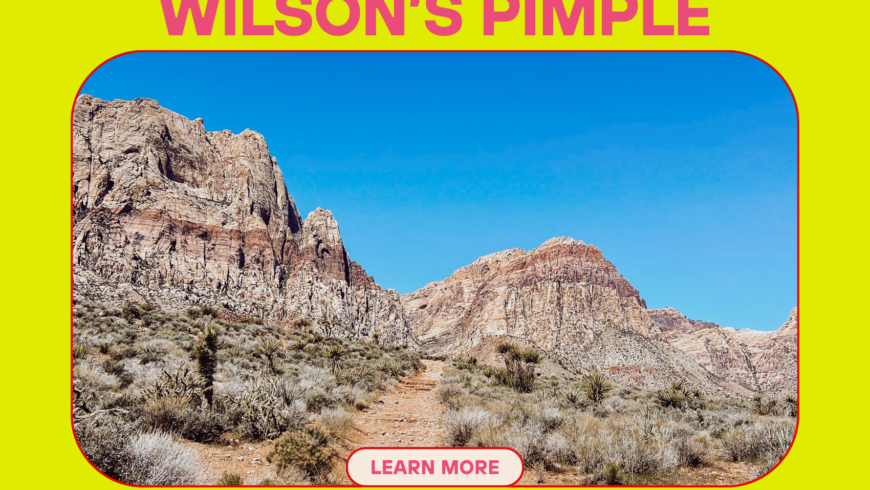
(551, 419)
(205, 426)
(164, 413)
(230, 479)
(459, 425)
(105, 442)
(172, 415)
(519, 371)
(310, 349)
(392, 368)
(159, 460)
(130, 312)
(264, 413)
(448, 390)
(93, 376)
(613, 475)
(790, 409)
(741, 444)
(152, 351)
(589, 455)
(336, 421)
(765, 407)
(121, 351)
(317, 400)
(775, 439)
(130, 400)
(305, 450)
(373, 354)
(640, 456)
(126, 379)
(692, 451)
(113, 367)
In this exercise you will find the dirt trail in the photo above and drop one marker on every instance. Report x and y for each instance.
(407, 417)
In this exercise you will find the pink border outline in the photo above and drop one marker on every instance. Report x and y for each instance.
(72, 231)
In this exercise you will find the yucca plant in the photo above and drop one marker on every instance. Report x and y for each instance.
(574, 396)
(333, 352)
(267, 348)
(393, 368)
(671, 398)
(209, 311)
(596, 387)
(530, 356)
(79, 352)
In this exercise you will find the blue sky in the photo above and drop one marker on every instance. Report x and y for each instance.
(681, 167)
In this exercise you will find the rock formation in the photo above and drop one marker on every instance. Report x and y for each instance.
(563, 297)
(764, 362)
(165, 211)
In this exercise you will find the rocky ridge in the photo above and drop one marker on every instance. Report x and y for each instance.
(167, 212)
(563, 297)
(763, 362)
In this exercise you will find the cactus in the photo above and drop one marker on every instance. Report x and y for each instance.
(183, 386)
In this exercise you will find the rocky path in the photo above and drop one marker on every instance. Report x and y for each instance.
(406, 417)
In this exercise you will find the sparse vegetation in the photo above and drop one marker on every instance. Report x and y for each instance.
(608, 434)
(196, 375)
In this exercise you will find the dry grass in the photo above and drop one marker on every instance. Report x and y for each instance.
(617, 435)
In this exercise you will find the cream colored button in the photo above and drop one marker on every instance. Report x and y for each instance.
(435, 466)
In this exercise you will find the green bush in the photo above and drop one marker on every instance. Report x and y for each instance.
(316, 400)
(113, 367)
(519, 371)
(613, 475)
(230, 479)
(305, 450)
(79, 352)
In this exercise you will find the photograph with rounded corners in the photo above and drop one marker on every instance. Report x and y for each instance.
(587, 259)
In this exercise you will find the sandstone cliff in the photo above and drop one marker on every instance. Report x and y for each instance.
(764, 362)
(563, 297)
(168, 212)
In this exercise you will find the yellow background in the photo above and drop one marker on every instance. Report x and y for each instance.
(49, 48)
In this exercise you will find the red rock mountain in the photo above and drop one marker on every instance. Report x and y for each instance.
(168, 212)
(566, 299)
(764, 362)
